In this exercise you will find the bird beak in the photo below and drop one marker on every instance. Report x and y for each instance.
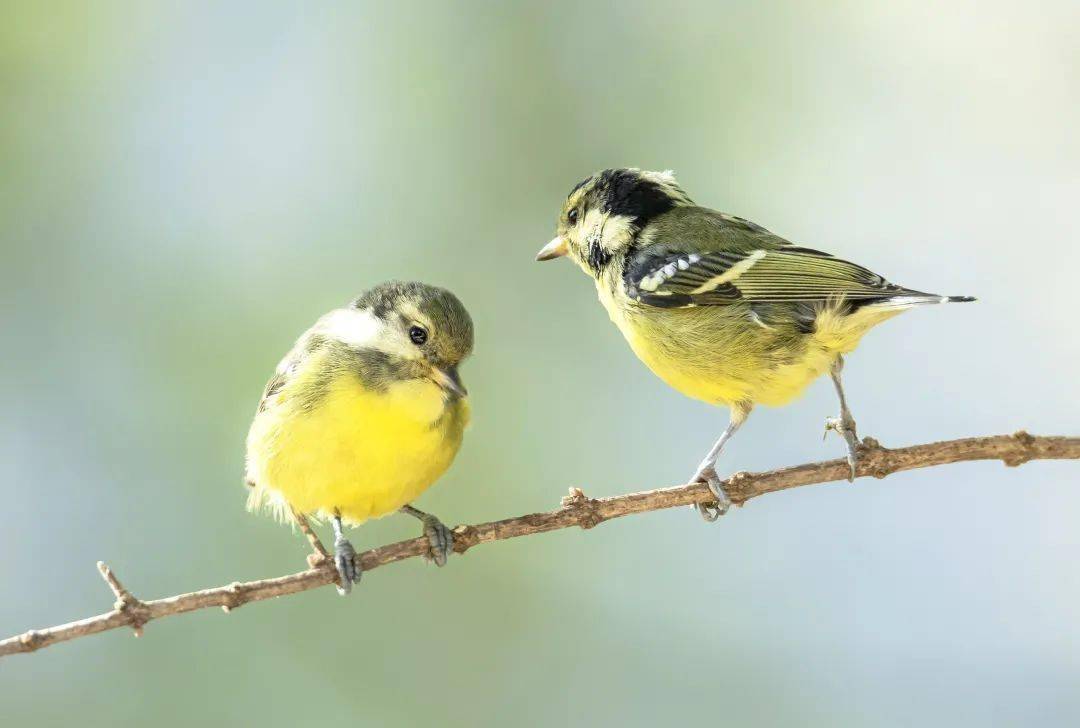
(555, 249)
(450, 380)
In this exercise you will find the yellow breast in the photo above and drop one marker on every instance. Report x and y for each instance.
(358, 452)
(718, 354)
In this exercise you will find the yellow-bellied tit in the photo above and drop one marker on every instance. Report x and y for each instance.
(364, 414)
(718, 307)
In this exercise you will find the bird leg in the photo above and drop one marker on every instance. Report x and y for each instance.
(844, 425)
(439, 536)
(706, 472)
(348, 568)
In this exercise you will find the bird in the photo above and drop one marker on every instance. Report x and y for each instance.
(363, 414)
(718, 307)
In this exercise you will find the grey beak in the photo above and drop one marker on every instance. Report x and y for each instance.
(449, 379)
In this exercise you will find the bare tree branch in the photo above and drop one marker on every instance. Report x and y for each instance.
(576, 510)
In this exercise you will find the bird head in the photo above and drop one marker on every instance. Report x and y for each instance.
(424, 326)
(604, 213)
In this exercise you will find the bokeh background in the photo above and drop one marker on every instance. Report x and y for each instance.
(185, 187)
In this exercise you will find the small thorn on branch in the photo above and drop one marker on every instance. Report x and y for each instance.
(576, 496)
(30, 640)
(576, 500)
(465, 537)
(126, 603)
(736, 487)
(234, 593)
(1026, 441)
(1024, 437)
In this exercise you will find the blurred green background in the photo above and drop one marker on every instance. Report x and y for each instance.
(185, 187)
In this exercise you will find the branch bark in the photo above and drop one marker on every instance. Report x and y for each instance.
(576, 510)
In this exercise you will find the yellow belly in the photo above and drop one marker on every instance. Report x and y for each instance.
(739, 378)
(719, 355)
(360, 453)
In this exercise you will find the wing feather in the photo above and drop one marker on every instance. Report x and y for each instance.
(788, 274)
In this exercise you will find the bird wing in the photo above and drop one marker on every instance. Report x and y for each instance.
(287, 369)
(272, 398)
(314, 340)
(275, 385)
(277, 382)
(667, 278)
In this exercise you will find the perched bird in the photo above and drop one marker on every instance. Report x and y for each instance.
(364, 414)
(718, 307)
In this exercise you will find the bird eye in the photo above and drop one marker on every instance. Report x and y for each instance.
(572, 216)
(418, 335)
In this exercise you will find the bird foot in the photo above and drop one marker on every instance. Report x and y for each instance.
(845, 427)
(440, 538)
(712, 511)
(348, 569)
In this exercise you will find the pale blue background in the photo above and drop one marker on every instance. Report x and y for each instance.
(186, 187)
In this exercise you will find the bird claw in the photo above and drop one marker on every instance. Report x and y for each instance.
(845, 427)
(852, 461)
(834, 424)
(348, 569)
(712, 511)
(440, 538)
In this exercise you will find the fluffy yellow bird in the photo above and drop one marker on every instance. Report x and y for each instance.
(363, 414)
(718, 307)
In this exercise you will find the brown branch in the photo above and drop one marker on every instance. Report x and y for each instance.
(576, 510)
(318, 552)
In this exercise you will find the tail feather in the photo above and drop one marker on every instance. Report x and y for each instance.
(918, 298)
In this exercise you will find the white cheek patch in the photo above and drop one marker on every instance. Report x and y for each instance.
(617, 231)
(592, 223)
(612, 231)
(357, 328)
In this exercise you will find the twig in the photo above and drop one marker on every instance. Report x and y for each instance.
(125, 602)
(318, 552)
(577, 510)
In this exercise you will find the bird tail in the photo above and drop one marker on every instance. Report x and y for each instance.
(918, 298)
(262, 498)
